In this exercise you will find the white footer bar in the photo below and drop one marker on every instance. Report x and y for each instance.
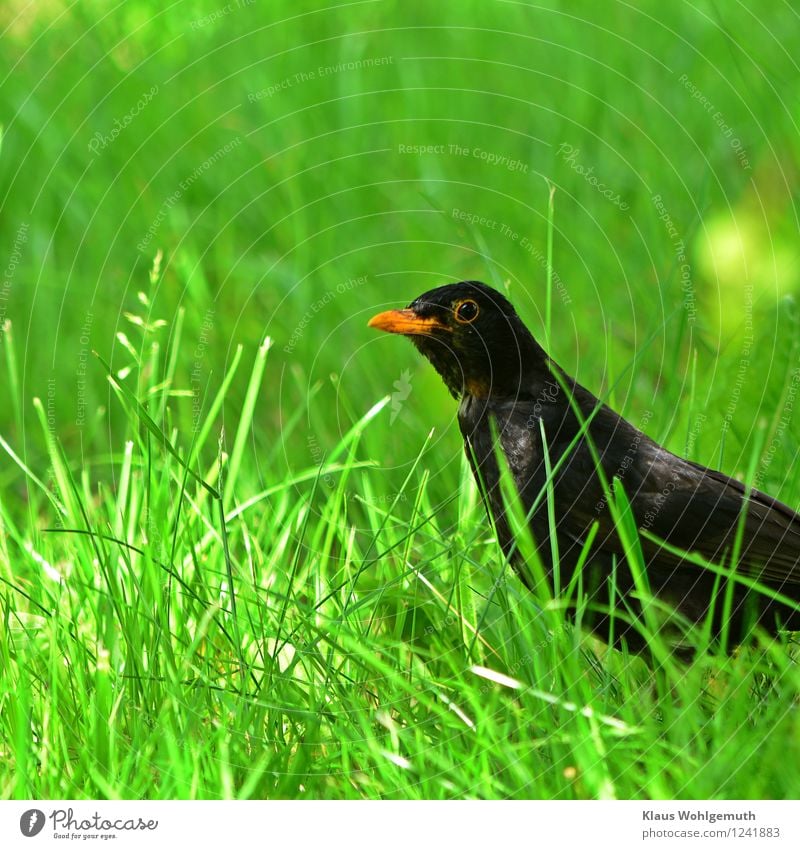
(401, 825)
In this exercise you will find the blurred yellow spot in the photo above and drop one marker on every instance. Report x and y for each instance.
(742, 261)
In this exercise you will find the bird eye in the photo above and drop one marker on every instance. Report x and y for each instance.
(466, 312)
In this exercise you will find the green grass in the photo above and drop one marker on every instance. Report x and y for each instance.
(244, 568)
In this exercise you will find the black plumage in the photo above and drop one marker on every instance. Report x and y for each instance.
(490, 361)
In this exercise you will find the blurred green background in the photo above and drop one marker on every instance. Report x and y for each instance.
(181, 181)
(277, 154)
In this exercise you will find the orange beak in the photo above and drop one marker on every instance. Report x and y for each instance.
(406, 322)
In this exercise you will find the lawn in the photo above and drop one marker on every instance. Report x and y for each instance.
(241, 552)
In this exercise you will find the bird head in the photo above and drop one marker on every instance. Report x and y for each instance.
(472, 336)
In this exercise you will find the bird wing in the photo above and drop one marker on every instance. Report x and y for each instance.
(690, 507)
(687, 505)
(704, 513)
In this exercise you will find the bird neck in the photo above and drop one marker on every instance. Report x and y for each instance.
(516, 370)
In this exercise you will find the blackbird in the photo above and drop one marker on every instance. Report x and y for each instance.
(509, 391)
